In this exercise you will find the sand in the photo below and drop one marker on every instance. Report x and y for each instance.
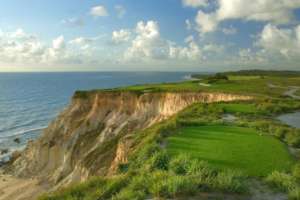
(12, 188)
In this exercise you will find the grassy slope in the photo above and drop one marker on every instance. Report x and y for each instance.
(232, 147)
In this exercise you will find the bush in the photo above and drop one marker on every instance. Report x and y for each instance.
(160, 160)
(294, 194)
(166, 185)
(296, 171)
(293, 138)
(281, 181)
(229, 181)
(158, 186)
(179, 165)
(280, 132)
(181, 185)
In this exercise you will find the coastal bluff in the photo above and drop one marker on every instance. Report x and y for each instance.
(91, 137)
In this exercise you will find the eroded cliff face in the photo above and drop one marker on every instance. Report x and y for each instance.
(89, 137)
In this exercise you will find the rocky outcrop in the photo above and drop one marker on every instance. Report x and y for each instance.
(89, 136)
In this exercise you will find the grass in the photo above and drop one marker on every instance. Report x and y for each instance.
(249, 85)
(238, 78)
(238, 108)
(232, 147)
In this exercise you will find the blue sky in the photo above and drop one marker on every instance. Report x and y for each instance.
(166, 35)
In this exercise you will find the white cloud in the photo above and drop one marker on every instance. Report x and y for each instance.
(19, 47)
(191, 52)
(280, 42)
(82, 42)
(195, 3)
(277, 12)
(149, 45)
(121, 11)
(59, 43)
(206, 22)
(121, 36)
(98, 11)
(73, 22)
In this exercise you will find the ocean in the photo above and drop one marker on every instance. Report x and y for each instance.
(29, 101)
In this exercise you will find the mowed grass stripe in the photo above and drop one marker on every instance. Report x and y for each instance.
(239, 148)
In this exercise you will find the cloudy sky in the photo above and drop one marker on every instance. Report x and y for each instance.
(160, 35)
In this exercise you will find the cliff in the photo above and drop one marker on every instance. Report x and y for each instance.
(90, 137)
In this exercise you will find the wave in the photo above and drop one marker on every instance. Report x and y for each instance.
(23, 132)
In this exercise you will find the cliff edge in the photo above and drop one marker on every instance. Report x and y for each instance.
(90, 136)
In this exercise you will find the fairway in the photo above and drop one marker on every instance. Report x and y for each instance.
(232, 147)
(238, 108)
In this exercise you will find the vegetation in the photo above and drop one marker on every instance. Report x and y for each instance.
(198, 151)
(252, 84)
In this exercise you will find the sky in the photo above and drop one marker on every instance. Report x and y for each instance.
(149, 35)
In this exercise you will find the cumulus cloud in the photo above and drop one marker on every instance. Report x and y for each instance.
(195, 3)
(121, 36)
(149, 45)
(19, 47)
(277, 12)
(283, 42)
(121, 11)
(99, 11)
(59, 43)
(206, 22)
(191, 52)
(82, 42)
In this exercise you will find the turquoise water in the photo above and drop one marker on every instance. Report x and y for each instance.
(29, 101)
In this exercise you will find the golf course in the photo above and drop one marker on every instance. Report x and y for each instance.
(230, 147)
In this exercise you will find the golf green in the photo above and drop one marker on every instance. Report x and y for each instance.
(231, 147)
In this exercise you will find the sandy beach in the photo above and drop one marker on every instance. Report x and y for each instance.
(12, 188)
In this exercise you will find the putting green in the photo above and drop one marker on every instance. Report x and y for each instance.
(238, 148)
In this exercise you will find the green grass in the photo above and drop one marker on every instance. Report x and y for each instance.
(238, 85)
(238, 78)
(238, 108)
(232, 147)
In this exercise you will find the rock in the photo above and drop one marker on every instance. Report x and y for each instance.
(17, 140)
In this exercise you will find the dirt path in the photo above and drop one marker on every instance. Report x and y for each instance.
(290, 92)
(12, 188)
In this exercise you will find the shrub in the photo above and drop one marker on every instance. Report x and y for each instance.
(160, 160)
(229, 181)
(179, 165)
(281, 181)
(181, 185)
(294, 194)
(293, 138)
(280, 132)
(158, 185)
(296, 171)
(199, 168)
